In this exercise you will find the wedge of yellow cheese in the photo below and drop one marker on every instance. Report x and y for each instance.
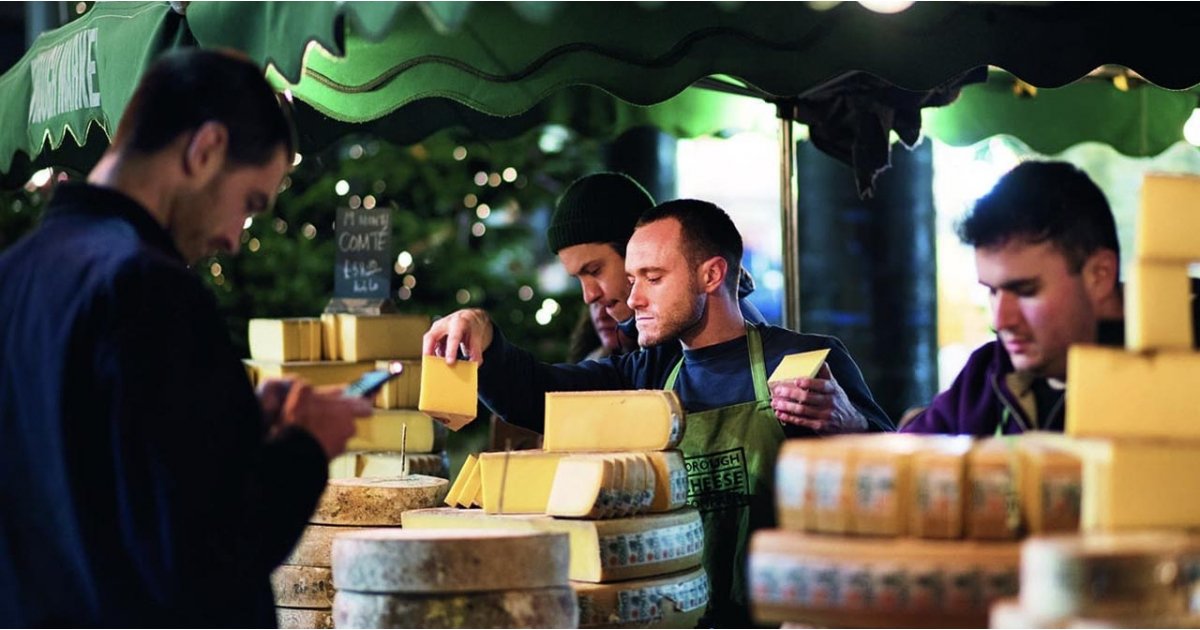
(639, 420)
(449, 393)
(460, 481)
(290, 339)
(472, 488)
(372, 337)
(1158, 306)
(607, 550)
(385, 430)
(1115, 393)
(670, 480)
(517, 482)
(583, 487)
(799, 365)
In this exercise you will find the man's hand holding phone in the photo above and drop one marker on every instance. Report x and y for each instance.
(325, 412)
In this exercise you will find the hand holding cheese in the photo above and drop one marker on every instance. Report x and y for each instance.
(469, 329)
(817, 403)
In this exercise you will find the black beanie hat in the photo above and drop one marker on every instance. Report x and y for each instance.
(597, 208)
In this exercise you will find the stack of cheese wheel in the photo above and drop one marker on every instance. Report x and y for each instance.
(337, 349)
(304, 584)
(452, 579)
(846, 499)
(1106, 580)
(609, 477)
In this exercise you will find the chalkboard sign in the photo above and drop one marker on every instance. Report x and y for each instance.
(364, 253)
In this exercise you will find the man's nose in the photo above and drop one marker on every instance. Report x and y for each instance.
(636, 298)
(591, 290)
(1007, 313)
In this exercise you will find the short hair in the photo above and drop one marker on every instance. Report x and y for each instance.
(184, 89)
(1041, 202)
(707, 232)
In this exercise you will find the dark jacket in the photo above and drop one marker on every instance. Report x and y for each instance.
(138, 484)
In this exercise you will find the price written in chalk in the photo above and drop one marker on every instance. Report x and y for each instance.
(364, 239)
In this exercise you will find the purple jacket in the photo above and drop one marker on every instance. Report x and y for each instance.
(975, 404)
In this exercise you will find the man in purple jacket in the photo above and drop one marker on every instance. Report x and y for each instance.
(1046, 248)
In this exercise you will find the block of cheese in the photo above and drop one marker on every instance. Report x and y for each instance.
(388, 464)
(316, 373)
(449, 560)
(993, 505)
(1132, 484)
(873, 582)
(383, 430)
(402, 392)
(376, 500)
(831, 484)
(1115, 393)
(449, 393)
(601, 550)
(289, 618)
(793, 509)
(532, 608)
(373, 337)
(527, 477)
(1051, 487)
(290, 339)
(939, 488)
(1158, 306)
(1168, 226)
(460, 481)
(302, 587)
(639, 476)
(799, 365)
(882, 483)
(637, 420)
(1105, 574)
(331, 337)
(314, 547)
(670, 601)
(670, 480)
(583, 487)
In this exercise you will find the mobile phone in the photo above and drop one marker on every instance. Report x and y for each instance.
(371, 382)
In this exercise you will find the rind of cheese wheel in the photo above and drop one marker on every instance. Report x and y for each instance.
(287, 339)
(636, 420)
(1101, 575)
(314, 549)
(677, 600)
(532, 608)
(449, 560)
(582, 488)
(289, 618)
(384, 430)
(1169, 221)
(527, 477)
(880, 582)
(376, 500)
(670, 480)
(374, 337)
(450, 394)
(1009, 614)
(601, 551)
(302, 587)
(403, 391)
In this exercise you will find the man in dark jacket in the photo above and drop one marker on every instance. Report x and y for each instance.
(1046, 248)
(142, 482)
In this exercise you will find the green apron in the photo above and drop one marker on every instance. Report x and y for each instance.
(729, 453)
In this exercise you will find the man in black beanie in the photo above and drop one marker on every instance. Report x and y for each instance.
(589, 230)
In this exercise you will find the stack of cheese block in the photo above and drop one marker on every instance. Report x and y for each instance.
(608, 477)
(1132, 417)
(906, 530)
(304, 584)
(338, 349)
(452, 579)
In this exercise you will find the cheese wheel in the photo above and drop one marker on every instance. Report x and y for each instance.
(377, 500)
(302, 587)
(449, 561)
(532, 608)
(1008, 613)
(1100, 575)
(304, 618)
(315, 547)
(677, 600)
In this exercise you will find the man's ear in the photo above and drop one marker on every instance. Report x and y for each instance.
(1100, 273)
(712, 274)
(204, 154)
